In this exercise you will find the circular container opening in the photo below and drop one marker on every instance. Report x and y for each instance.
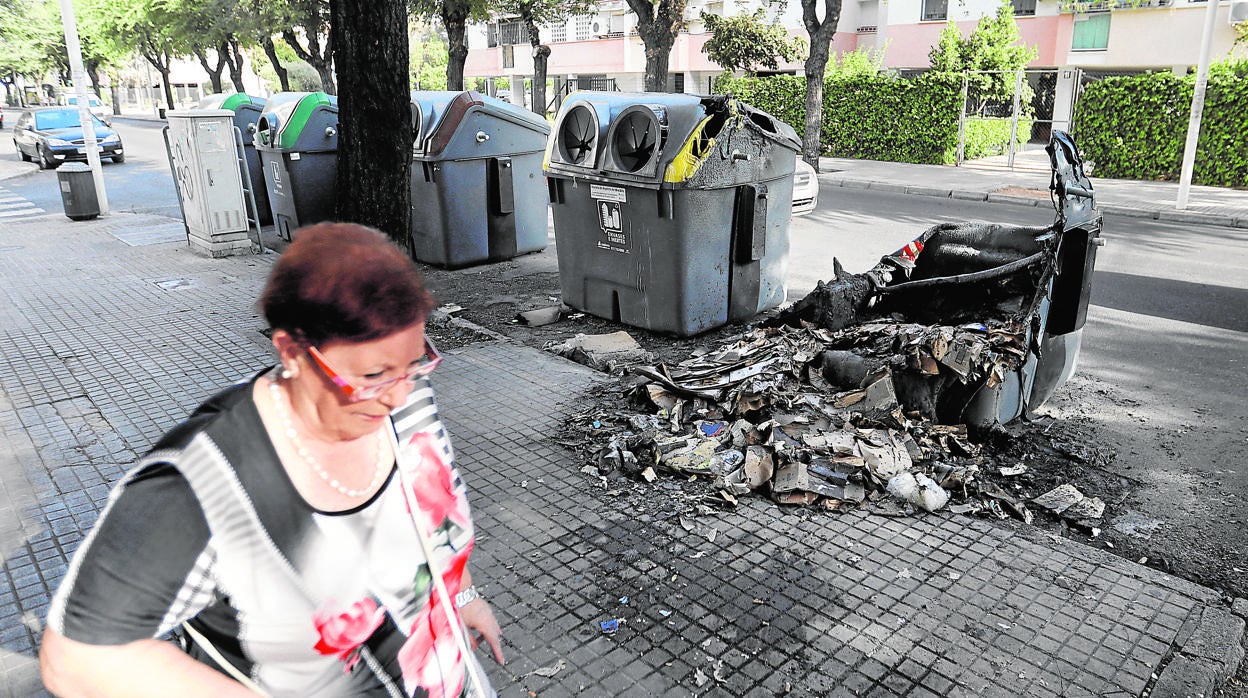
(635, 139)
(578, 136)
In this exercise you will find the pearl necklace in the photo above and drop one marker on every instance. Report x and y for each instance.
(293, 436)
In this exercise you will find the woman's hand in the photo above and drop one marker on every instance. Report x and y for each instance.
(479, 619)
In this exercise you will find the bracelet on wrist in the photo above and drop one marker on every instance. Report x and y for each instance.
(466, 596)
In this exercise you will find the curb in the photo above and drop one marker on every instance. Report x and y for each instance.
(1194, 217)
(1208, 657)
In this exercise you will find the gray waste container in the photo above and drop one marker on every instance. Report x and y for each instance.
(78, 191)
(477, 189)
(297, 139)
(671, 211)
(247, 110)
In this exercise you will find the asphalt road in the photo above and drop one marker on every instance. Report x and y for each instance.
(1162, 374)
(141, 184)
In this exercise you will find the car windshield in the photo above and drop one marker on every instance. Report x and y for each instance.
(60, 118)
(91, 101)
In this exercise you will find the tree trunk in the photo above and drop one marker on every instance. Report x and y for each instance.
(233, 53)
(214, 74)
(541, 56)
(320, 58)
(282, 76)
(374, 127)
(658, 54)
(455, 20)
(657, 25)
(821, 33)
(93, 74)
(164, 77)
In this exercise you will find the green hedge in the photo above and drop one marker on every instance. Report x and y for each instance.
(1135, 127)
(986, 137)
(877, 117)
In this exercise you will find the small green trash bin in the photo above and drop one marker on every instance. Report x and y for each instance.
(78, 191)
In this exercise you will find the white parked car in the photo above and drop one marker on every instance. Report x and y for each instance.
(101, 110)
(805, 188)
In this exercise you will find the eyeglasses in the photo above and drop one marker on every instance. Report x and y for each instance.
(423, 367)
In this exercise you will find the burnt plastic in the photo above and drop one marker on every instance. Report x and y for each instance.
(671, 212)
(477, 189)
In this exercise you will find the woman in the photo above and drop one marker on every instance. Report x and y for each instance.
(274, 528)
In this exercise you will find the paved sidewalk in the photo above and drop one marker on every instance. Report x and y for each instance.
(109, 337)
(1028, 185)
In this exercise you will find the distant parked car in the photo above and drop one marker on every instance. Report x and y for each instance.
(805, 189)
(100, 109)
(53, 135)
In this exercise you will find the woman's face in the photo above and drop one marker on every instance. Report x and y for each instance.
(335, 412)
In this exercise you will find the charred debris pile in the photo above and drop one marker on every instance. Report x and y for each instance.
(856, 396)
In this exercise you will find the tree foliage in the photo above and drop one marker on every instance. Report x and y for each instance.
(745, 42)
(307, 31)
(32, 43)
(428, 62)
(146, 26)
(454, 15)
(989, 57)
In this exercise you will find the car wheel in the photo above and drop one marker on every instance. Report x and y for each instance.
(119, 158)
(21, 153)
(45, 162)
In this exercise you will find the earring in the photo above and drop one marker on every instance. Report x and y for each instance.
(286, 374)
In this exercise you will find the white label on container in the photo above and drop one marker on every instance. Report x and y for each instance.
(605, 193)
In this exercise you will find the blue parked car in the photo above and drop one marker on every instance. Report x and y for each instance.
(53, 135)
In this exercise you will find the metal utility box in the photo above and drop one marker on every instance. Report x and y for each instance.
(204, 157)
(477, 189)
(297, 139)
(78, 191)
(671, 211)
(247, 110)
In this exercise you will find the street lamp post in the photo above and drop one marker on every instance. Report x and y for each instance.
(1198, 105)
(85, 117)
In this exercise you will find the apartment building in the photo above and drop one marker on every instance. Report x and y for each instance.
(602, 50)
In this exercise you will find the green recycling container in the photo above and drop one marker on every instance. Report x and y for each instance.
(297, 140)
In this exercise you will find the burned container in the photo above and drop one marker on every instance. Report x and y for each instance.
(247, 111)
(297, 139)
(976, 323)
(477, 188)
(671, 212)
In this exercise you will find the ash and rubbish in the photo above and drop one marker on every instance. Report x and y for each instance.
(843, 402)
